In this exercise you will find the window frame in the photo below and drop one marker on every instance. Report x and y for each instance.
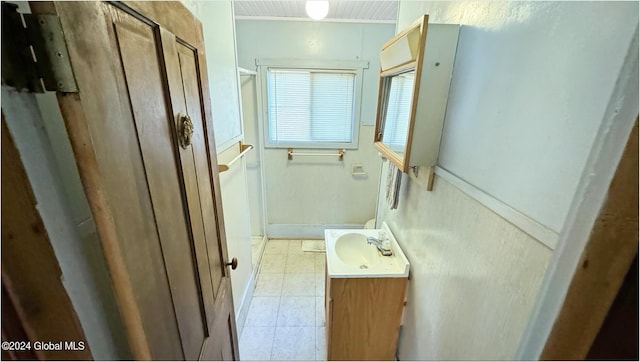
(351, 66)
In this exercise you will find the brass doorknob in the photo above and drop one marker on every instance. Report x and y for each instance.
(185, 130)
(233, 263)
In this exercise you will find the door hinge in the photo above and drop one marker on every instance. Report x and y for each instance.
(34, 53)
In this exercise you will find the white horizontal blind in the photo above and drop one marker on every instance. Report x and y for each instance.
(307, 107)
(398, 111)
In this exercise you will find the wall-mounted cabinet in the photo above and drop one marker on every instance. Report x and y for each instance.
(415, 74)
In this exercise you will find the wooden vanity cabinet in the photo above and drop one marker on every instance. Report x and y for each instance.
(363, 317)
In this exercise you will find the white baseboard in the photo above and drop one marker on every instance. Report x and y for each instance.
(304, 231)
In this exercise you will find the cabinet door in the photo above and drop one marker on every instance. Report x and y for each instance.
(366, 316)
(140, 68)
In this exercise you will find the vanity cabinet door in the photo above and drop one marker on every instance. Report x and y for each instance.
(364, 317)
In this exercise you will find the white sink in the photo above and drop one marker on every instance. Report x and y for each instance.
(350, 256)
(352, 249)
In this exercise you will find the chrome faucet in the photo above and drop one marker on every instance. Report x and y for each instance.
(379, 244)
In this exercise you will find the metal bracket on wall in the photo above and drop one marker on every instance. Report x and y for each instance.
(35, 57)
(423, 176)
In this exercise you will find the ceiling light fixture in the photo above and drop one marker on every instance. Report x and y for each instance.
(317, 9)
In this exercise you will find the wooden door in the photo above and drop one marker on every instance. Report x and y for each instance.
(140, 70)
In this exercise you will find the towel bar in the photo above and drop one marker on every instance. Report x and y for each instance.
(243, 150)
(340, 154)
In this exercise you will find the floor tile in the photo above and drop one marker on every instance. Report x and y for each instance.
(276, 247)
(299, 285)
(295, 247)
(263, 312)
(320, 261)
(269, 285)
(320, 312)
(294, 343)
(297, 312)
(273, 263)
(300, 263)
(321, 344)
(315, 245)
(320, 279)
(256, 343)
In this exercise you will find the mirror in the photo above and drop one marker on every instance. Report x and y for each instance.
(415, 76)
(401, 67)
(398, 91)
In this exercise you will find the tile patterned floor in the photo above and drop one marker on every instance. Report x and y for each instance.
(286, 319)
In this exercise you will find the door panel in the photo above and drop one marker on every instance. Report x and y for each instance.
(197, 222)
(157, 206)
(137, 47)
(223, 329)
(188, 68)
(194, 194)
(223, 342)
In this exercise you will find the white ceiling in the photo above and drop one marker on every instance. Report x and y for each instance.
(342, 10)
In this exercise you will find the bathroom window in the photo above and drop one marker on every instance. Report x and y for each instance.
(311, 104)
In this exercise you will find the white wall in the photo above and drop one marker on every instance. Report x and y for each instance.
(249, 101)
(235, 204)
(517, 128)
(219, 38)
(218, 26)
(306, 194)
(530, 89)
